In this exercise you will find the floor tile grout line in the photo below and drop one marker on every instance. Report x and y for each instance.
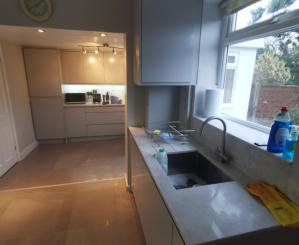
(60, 185)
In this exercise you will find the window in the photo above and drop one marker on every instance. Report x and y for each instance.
(230, 77)
(261, 71)
(263, 10)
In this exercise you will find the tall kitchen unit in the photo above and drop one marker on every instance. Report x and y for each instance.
(44, 82)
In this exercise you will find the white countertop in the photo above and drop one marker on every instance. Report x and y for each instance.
(211, 212)
(87, 104)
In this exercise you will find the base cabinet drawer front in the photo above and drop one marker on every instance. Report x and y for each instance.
(75, 122)
(105, 130)
(104, 117)
(105, 109)
(154, 217)
(176, 238)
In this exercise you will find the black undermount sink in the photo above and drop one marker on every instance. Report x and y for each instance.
(191, 169)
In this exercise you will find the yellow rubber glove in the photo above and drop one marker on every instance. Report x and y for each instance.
(284, 210)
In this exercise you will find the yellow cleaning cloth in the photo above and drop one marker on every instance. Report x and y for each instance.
(284, 210)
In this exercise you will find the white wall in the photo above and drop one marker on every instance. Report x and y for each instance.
(17, 84)
(209, 51)
(242, 83)
(93, 15)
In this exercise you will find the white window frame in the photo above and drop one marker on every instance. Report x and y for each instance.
(280, 23)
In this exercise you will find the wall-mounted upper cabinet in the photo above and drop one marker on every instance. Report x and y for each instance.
(72, 67)
(114, 66)
(91, 68)
(43, 72)
(167, 37)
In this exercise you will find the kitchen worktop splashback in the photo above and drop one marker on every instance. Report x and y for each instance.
(116, 90)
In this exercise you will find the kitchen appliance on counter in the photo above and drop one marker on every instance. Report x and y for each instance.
(97, 99)
(75, 98)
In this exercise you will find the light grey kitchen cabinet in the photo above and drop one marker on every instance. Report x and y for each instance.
(176, 238)
(105, 117)
(75, 122)
(155, 219)
(43, 71)
(48, 117)
(72, 67)
(167, 37)
(94, 121)
(93, 65)
(106, 130)
(114, 67)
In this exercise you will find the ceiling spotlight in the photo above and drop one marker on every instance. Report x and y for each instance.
(40, 30)
(97, 51)
(114, 51)
(84, 51)
(103, 34)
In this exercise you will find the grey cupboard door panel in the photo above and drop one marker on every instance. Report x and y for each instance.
(105, 130)
(105, 117)
(43, 72)
(154, 217)
(170, 33)
(72, 67)
(75, 122)
(48, 117)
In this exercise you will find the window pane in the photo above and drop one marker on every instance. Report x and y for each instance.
(228, 85)
(231, 59)
(263, 10)
(265, 78)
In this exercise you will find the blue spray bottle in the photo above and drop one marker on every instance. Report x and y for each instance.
(290, 146)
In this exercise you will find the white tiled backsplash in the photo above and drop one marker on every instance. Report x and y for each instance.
(116, 90)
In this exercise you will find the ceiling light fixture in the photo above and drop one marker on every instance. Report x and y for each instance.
(114, 51)
(41, 30)
(97, 51)
(103, 34)
(84, 50)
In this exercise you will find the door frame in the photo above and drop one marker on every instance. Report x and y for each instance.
(9, 105)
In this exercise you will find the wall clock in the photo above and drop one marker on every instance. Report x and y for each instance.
(38, 10)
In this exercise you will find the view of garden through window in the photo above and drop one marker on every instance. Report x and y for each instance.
(262, 75)
(263, 10)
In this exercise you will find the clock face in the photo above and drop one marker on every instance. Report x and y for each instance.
(39, 10)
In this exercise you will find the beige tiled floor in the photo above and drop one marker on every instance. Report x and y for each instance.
(65, 163)
(40, 205)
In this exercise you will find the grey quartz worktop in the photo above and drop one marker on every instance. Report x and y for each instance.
(207, 213)
(93, 105)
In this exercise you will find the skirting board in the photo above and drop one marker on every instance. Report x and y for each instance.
(28, 150)
(79, 139)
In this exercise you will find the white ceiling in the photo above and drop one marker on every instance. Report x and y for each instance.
(58, 38)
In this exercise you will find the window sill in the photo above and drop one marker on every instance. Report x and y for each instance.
(243, 132)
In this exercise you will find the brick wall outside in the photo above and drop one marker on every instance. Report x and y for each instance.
(273, 97)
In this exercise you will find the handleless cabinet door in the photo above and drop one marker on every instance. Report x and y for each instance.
(154, 217)
(43, 72)
(167, 50)
(114, 66)
(75, 122)
(48, 117)
(93, 68)
(72, 67)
